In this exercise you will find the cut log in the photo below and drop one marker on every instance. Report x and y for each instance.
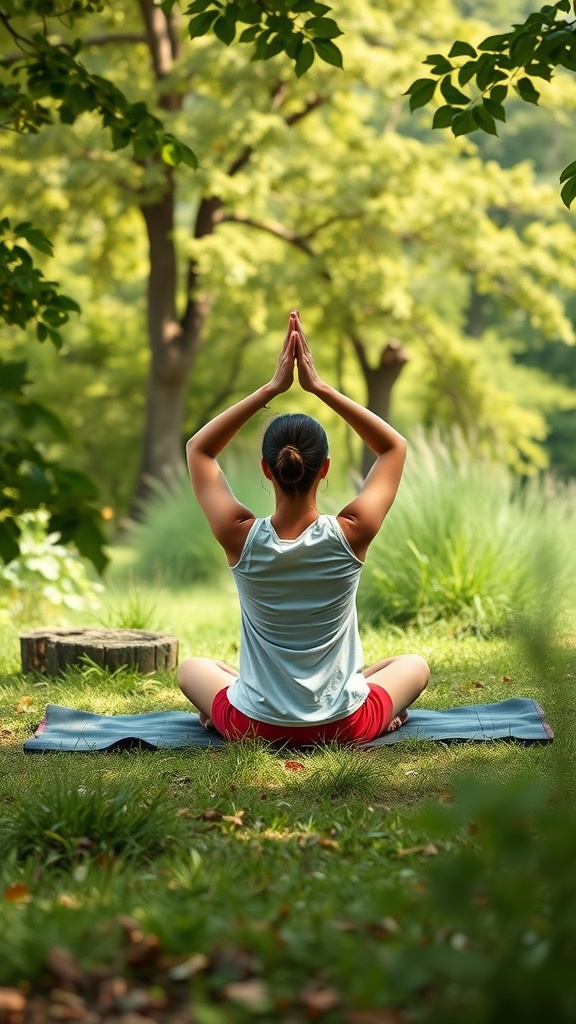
(50, 651)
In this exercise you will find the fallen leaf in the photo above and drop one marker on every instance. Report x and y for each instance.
(23, 704)
(234, 819)
(68, 901)
(12, 1005)
(63, 965)
(211, 814)
(445, 796)
(428, 850)
(328, 844)
(195, 964)
(506, 679)
(476, 686)
(252, 994)
(318, 999)
(387, 1016)
(17, 892)
(294, 766)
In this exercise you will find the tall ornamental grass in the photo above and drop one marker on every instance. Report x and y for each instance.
(466, 540)
(174, 544)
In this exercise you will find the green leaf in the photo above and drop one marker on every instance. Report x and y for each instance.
(90, 540)
(9, 534)
(495, 44)
(328, 52)
(484, 120)
(568, 193)
(188, 156)
(38, 239)
(467, 71)
(224, 29)
(304, 60)
(522, 49)
(443, 117)
(421, 92)
(568, 171)
(495, 110)
(453, 95)
(462, 49)
(202, 24)
(526, 90)
(197, 6)
(487, 74)
(441, 65)
(323, 28)
(249, 34)
(273, 46)
(499, 93)
(464, 123)
(250, 14)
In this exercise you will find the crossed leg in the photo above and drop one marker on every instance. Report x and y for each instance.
(404, 677)
(200, 679)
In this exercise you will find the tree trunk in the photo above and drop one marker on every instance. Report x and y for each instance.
(380, 381)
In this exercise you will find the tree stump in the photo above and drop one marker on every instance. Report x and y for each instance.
(51, 650)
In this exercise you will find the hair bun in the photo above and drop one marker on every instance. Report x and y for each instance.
(290, 464)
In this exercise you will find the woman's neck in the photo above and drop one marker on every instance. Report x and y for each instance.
(292, 515)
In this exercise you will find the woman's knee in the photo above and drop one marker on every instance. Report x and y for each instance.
(188, 671)
(421, 670)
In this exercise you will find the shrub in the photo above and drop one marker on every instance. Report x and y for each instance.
(467, 540)
(46, 574)
(174, 543)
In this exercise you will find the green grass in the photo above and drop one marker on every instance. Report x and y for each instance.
(379, 879)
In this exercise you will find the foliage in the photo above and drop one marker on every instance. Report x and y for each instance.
(31, 479)
(430, 899)
(65, 820)
(299, 28)
(468, 542)
(512, 59)
(45, 575)
(25, 295)
(173, 541)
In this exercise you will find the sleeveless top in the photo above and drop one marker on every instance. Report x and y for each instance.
(300, 650)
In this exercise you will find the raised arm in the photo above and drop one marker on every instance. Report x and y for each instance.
(228, 519)
(362, 518)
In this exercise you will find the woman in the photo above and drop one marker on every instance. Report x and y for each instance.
(301, 678)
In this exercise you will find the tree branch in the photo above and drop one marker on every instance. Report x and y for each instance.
(271, 228)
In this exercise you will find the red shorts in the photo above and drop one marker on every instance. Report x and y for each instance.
(368, 722)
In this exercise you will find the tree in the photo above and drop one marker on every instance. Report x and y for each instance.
(45, 75)
(509, 60)
(384, 240)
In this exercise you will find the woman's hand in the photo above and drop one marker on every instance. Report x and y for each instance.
(307, 372)
(284, 376)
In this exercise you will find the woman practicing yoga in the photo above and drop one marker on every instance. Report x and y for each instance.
(301, 678)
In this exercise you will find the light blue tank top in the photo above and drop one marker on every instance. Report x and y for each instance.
(300, 650)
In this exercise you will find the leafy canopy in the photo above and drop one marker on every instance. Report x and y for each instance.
(44, 79)
(507, 61)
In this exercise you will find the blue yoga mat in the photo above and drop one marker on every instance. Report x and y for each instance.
(66, 729)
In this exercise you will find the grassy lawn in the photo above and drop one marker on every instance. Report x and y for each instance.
(416, 882)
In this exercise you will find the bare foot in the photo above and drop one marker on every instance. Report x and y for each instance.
(397, 721)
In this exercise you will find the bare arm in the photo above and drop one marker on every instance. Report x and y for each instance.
(361, 518)
(228, 519)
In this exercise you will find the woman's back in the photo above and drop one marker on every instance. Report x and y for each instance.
(300, 651)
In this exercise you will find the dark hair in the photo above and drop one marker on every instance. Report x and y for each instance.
(295, 447)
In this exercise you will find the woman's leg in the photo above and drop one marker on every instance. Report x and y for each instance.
(404, 678)
(200, 679)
